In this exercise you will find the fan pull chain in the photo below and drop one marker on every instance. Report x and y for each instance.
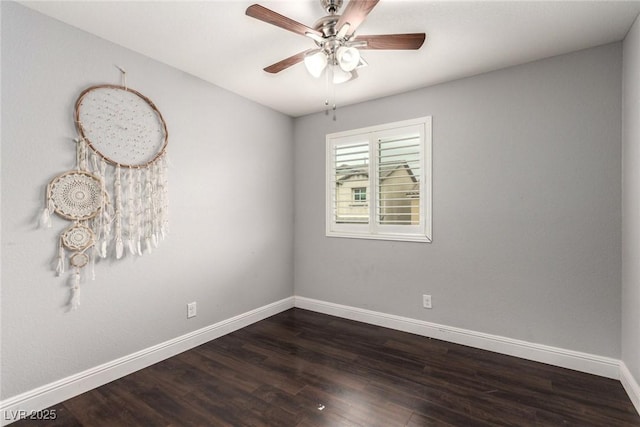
(330, 90)
(326, 91)
(333, 96)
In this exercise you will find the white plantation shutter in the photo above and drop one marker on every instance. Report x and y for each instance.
(351, 170)
(379, 182)
(399, 168)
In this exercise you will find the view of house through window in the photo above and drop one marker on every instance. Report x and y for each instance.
(379, 183)
(352, 179)
(360, 194)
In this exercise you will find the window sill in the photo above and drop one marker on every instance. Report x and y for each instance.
(394, 237)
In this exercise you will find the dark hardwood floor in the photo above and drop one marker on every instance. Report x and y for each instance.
(301, 368)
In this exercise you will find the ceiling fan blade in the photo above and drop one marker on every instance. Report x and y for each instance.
(274, 18)
(392, 41)
(355, 12)
(286, 63)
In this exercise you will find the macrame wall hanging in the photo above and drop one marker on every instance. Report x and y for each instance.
(117, 195)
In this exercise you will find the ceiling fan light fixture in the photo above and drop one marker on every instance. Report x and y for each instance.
(348, 58)
(343, 31)
(316, 62)
(340, 75)
(362, 63)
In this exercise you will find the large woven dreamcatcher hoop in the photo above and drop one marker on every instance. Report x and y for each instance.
(122, 125)
(124, 128)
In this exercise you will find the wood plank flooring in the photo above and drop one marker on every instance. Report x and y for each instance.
(301, 368)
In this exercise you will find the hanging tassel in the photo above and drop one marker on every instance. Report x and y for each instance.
(60, 265)
(45, 219)
(75, 289)
(163, 214)
(81, 154)
(106, 215)
(106, 233)
(119, 247)
(117, 186)
(139, 211)
(94, 164)
(130, 213)
(148, 210)
(98, 222)
(132, 247)
(103, 173)
(160, 203)
(130, 210)
(166, 160)
(155, 204)
(92, 261)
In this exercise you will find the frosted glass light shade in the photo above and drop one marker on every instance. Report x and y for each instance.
(340, 76)
(348, 58)
(315, 61)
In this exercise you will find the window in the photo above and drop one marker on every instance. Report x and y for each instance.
(359, 194)
(379, 182)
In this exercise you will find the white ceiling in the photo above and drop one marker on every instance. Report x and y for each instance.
(217, 42)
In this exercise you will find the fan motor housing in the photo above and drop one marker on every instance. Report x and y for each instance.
(327, 25)
(331, 6)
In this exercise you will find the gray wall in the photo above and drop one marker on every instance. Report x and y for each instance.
(631, 203)
(230, 254)
(526, 207)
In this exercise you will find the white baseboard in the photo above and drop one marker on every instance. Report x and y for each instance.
(66, 388)
(583, 362)
(630, 385)
(43, 397)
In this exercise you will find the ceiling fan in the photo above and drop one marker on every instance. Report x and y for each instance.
(337, 45)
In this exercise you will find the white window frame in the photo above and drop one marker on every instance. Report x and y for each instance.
(371, 135)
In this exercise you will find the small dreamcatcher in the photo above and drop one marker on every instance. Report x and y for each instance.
(117, 196)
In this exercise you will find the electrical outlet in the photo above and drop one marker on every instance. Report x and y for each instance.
(426, 301)
(191, 310)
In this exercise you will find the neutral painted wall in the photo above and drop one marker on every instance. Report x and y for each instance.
(527, 201)
(526, 207)
(230, 244)
(631, 202)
